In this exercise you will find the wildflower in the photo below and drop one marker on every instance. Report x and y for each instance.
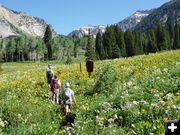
(156, 95)
(129, 83)
(110, 120)
(173, 106)
(158, 126)
(165, 119)
(142, 110)
(158, 121)
(19, 115)
(165, 70)
(135, 102)
(146, 124)
(2, 123)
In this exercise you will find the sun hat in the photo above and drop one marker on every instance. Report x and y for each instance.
(67, 85)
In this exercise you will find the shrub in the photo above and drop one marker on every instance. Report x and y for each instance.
(107, 79)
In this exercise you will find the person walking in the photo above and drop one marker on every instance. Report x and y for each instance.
(49, 76)
(68, 98)
(55, 86)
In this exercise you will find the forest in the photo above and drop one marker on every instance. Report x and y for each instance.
(114, 43)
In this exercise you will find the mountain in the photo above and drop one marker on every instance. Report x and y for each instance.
(128, 23)
(167, 13)
(131, 21)
(86, 29)
(15, 23)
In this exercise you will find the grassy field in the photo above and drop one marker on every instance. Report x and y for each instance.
(123, 96)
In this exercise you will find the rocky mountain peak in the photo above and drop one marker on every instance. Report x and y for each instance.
(89, 29)
(16, 23)
(131, 21)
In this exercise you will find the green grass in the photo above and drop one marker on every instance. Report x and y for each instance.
(124, 96)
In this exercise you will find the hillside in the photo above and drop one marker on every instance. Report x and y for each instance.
(131, 21)
(124, 96)
(167, 13)
(16, 23)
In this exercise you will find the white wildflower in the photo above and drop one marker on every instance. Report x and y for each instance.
(135, 102)
(165, 70)
(173, 106)
(2, 124)
(129, 83)
(110, 120)
(115, 116)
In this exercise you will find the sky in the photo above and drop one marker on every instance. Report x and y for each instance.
(68, 15)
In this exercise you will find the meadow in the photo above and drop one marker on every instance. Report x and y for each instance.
(125, 96)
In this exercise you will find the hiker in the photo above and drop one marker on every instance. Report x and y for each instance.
(68, 98)
(89, 66)
(55, 86)
(49, 75)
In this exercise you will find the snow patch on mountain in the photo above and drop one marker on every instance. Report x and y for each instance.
(89, 29)
(133, 20)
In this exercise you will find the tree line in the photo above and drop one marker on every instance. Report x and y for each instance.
(28, 48)
(115, 43)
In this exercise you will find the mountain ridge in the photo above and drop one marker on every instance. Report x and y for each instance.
(14, 23)
(167, 13)
(127, 23)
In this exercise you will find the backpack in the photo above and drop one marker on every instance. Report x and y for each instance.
(54, 84)
(49, 74)
(67, 94)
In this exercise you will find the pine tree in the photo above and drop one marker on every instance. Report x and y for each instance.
(120, 41)
(162, 39)
(152, 44)
(106, 43)
(76, 41)
(176, 44)
(138, 43)
(115, 52)
(100, 53)
(47, 41)
(129, 41)
(90, 50)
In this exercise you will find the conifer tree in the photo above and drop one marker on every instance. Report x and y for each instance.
(122, 44)
(47, 41)
(162, 39)
(115, 52)
(138, 43)
(152, 44)
(129, 41)
(171, 34)
(176, 44)
(90, 50)
(106, 42)
(100, 53)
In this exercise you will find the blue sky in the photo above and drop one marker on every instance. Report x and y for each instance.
(67, 15)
